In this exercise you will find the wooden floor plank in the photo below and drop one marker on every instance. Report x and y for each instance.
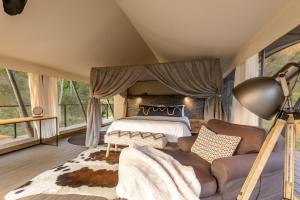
(18, 167)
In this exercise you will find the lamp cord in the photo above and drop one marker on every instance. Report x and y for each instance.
(259, 189)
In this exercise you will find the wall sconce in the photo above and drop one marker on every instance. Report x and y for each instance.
(187, 100)
(139, 100)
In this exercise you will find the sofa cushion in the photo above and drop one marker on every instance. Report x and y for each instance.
(211, 146)
(252, 137)
(201, 168)
(186, 143)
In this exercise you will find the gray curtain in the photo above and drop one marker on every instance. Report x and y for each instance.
(200, 79)
(106, 82)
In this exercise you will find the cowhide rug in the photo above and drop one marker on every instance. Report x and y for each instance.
(89, 174)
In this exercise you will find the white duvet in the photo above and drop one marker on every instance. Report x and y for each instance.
(146, 173)
(172, 127)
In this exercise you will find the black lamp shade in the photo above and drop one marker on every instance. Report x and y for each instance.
(14, 7)
(262, 96)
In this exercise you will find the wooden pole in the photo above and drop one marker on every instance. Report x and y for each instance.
(79, 100)
(261, 160)
(22, 108)
(289, 159)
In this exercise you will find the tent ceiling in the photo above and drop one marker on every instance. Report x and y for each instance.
(179, 30)
(73, 36)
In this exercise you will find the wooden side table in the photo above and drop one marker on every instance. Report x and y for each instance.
(32, 119)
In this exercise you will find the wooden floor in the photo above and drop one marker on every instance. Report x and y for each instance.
(18, 167)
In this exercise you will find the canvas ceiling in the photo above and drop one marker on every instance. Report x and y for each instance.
(66, 38)
(70, 36)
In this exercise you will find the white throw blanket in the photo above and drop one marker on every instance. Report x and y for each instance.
(146, 173)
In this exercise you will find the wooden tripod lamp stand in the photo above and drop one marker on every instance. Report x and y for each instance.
(265, 97)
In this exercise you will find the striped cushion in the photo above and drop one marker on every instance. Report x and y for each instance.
(211, 146)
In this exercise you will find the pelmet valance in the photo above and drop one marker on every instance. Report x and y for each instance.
(200, 79)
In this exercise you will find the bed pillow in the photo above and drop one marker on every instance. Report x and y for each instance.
(161, 110)
(211, 146)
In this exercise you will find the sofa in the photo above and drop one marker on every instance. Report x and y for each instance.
(223, 179)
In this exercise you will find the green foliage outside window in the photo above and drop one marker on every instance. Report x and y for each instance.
(8, 98)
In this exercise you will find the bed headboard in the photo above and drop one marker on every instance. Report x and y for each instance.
(194, 108)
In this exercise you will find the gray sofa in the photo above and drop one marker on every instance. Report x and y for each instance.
(223, 179)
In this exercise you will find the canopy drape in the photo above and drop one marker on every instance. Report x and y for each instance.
(106, 82)
(200, 79)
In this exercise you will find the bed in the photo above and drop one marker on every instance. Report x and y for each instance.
(169, 120)
(172, 127)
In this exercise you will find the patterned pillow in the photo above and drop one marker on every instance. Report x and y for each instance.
(211, 146)
(161, 110)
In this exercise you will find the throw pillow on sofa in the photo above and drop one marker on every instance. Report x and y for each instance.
(211, 146)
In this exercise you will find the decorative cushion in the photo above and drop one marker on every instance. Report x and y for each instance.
(161, 110)
(211, 146)
(252, 137)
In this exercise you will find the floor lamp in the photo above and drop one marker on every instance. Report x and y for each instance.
(266, 97)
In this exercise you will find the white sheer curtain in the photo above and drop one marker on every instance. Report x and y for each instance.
(43, 93)
(250, 69)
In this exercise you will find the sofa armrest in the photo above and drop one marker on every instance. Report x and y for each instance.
(186, 143)
(235, 167)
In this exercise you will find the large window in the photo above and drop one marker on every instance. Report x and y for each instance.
(71, 95)
(72, 98)
(73, 101)
(8, 103)
(273, 63)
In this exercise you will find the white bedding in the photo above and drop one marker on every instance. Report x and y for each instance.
(172, 127)
(148, 174)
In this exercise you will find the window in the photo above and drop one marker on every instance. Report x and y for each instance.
(274, 63)
(72, 98)
(71, 95)
(8, 103)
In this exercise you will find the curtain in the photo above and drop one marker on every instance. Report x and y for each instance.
(250, 69)
(43, 93)
(200, 79)
(106, 82)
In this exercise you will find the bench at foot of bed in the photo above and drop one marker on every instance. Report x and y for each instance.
(156, 140)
